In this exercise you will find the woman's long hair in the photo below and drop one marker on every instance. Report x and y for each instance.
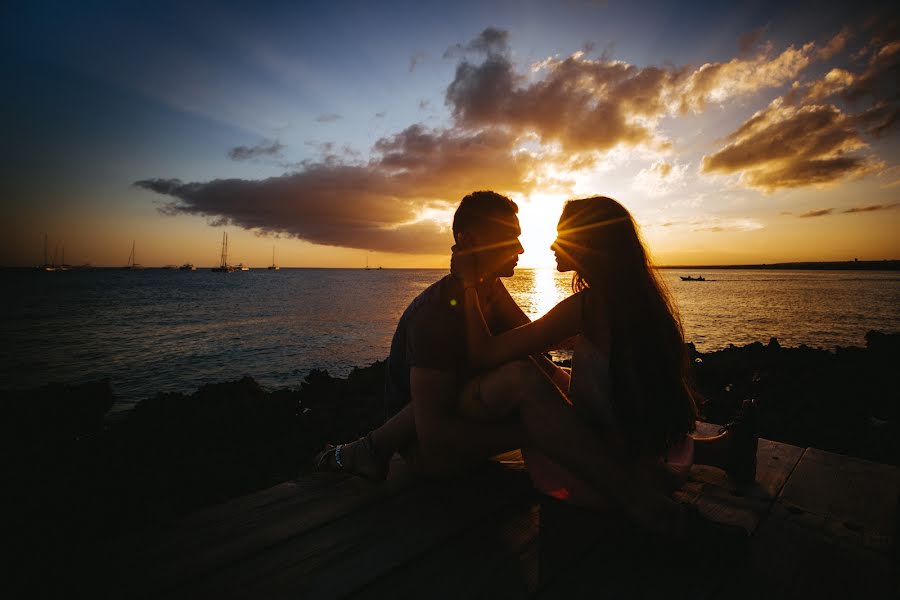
(649, 365)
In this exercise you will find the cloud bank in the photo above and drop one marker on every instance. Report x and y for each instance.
(263, 149)
(510, 125)
(374, 205)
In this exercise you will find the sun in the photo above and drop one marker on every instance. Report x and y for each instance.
(538, 215)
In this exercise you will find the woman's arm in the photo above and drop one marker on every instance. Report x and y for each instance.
(485, 350)
(507, 310)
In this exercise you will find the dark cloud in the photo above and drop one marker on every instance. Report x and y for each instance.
(836, 44)
(870, 208)
(263, 149)
(879, 119)
(328, 118)
(749, 40)
(492, 42)
(881, 78)
(374, 205)
(816, 213)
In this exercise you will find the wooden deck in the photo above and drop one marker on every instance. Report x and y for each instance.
(823, 526)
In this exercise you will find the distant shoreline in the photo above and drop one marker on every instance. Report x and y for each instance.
(846, 265)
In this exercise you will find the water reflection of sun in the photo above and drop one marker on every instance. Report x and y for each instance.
(538, 215)
(547, 292)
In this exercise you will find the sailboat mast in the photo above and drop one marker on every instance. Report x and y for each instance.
(45, 248)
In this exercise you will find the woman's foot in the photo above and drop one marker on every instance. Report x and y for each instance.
(356, 458)
(743, 441)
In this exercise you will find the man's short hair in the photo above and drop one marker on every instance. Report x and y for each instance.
(477, 206)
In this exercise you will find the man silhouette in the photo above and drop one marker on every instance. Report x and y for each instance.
(429, 384)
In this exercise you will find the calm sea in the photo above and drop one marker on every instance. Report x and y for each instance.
(161, 330)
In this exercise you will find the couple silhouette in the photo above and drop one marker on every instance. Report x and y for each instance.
(468, 378)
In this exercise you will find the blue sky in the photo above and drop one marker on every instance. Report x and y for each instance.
(103, 95)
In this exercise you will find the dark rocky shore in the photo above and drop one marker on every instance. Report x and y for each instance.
(73, 478)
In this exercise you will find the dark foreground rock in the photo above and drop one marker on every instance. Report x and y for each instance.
(73, 478)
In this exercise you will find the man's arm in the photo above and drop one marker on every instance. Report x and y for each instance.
(440, 429)
(503, 314)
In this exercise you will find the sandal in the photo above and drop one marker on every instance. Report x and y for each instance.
(333, 460)
(744, 430)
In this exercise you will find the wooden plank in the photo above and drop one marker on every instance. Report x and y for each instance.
(624, 562)
(346, 554)
(791, 562)
(720, 499)
(212, 539)
(485, 556)
(830, 532)
(848, 500)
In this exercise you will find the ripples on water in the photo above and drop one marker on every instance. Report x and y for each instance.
(158, 330)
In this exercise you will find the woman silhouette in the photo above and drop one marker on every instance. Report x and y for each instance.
(629, 379)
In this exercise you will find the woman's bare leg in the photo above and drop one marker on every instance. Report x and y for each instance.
(558, 431)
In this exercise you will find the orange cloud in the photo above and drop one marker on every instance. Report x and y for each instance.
(594, 105)
(787, 146)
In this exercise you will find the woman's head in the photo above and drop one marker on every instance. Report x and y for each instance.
(598, 239)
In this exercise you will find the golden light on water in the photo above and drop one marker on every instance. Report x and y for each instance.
(547, 291)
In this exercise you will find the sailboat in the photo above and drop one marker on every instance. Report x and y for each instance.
(132, 263)
(62, 266)
(273, 266)
(187, 267)
(224, 267)
(46, 266)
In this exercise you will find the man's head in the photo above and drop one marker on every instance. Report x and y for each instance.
(485, 223)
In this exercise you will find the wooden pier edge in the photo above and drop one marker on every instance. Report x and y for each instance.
(822, 525)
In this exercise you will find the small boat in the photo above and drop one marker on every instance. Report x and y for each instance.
(273, 266)
(170, 267)
(241, 267)
(47, 266)
(187, 267)
(224, 267)
(689, 278)
(132, 262)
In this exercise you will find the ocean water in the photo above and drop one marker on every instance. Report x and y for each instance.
(163, 330)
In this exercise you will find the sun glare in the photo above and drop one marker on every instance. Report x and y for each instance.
(538, 215)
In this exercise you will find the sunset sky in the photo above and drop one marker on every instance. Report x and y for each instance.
(735, 132)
